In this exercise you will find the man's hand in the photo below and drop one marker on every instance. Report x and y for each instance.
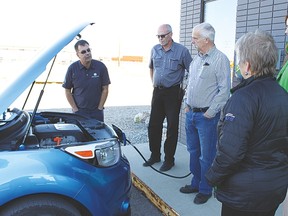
(206, 115)
(75, 109)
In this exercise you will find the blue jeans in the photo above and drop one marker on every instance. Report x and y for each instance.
(201, 138)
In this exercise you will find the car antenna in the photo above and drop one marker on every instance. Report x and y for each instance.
(38, 100)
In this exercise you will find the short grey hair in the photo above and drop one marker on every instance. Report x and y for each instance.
(205, 30)
(168, 27)
(259, 49)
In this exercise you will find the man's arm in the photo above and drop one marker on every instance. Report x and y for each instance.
(103, 98)
(70, 100)
(223, 75)
(151, 74)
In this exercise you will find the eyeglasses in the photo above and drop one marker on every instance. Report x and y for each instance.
(84, 51)
(162, 36)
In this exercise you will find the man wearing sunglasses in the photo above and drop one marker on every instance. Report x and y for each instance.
(86, 83)
(168, 63)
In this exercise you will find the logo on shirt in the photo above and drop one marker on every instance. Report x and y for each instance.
(229, 117)
(95, 75)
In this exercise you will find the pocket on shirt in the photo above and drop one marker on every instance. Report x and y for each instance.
(207, 73)
(173, 64)
(158, 61)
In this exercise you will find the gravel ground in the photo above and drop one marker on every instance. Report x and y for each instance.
(123, 117)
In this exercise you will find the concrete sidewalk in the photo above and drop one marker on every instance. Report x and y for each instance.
(167, 188)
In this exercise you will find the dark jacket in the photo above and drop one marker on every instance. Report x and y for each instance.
(250, 169)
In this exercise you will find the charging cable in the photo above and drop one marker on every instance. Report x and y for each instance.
(122, 138)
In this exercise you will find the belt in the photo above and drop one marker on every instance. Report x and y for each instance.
(163, 87)
(204, 109)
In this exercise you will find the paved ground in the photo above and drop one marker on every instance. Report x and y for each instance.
(141, 206)
(167, 188)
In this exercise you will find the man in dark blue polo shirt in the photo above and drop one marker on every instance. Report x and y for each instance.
(86, 83)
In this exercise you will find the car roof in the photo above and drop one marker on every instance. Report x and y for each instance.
(36, 67)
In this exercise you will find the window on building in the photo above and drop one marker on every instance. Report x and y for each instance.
(221, 14)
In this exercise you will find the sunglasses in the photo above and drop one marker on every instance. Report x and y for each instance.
(84, 51)
(162, 36)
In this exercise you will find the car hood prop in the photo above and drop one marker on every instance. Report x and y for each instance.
(38, 100)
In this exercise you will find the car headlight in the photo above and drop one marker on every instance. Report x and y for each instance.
(109, 155)
(106, 153)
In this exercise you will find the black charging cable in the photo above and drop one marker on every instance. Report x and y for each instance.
(172, 176)
(122, 138)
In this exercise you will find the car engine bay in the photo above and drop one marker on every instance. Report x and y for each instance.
(48, 129)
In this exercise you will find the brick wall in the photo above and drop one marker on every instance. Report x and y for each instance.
(267, 15)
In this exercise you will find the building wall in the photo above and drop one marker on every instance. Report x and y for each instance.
(267, 15)
(190, 16)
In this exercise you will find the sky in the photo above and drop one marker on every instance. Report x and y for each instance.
(127, 27)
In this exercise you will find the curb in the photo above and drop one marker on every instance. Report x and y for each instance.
(153, 197)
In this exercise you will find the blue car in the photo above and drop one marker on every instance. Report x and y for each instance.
(57, 163)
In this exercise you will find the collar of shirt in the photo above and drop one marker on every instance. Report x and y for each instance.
(210, 52)
(172, 48)
(205, 57)
(82, 67)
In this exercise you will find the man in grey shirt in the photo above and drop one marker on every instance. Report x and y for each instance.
(207, 92)
(168, 63)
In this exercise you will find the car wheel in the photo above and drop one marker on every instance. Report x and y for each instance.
(40, 206)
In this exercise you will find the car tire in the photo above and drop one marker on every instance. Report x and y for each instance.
(40, 205)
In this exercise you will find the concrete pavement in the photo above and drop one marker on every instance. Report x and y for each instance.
(167, 188)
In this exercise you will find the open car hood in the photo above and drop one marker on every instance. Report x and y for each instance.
(35, 68)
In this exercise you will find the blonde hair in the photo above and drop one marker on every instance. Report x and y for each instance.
(259, 49)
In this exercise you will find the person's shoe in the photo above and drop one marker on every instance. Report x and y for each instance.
(188, 189)
(150, 162)
(201, 198)
(166, 166)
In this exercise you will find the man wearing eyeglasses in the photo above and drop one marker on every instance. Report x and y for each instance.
(168, 63)
(86, 83)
